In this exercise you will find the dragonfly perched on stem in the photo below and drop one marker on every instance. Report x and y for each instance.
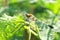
(32, 18)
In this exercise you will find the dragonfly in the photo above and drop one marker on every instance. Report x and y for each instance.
(39, 23)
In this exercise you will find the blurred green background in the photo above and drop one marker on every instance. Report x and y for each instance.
(11, 18)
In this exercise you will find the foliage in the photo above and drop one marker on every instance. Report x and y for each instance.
(13, 25)
(13, 28)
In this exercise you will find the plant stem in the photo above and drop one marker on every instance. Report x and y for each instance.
(50, 28)
(48, 34)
